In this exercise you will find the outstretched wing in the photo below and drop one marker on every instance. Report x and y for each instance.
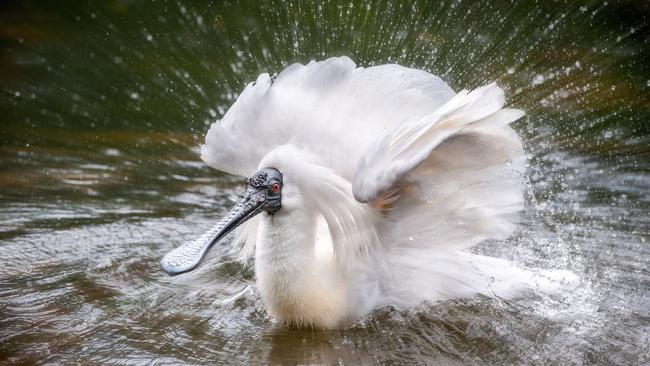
(455, 174)
(412, 142)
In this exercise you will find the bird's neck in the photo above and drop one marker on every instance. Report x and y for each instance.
(296, 285)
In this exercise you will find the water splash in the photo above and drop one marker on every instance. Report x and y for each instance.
(104, 105)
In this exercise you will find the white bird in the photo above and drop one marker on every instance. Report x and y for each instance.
(369, 183)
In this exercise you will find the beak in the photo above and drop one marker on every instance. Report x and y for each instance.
(189, 255)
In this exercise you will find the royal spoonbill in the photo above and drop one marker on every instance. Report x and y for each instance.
(365, 188)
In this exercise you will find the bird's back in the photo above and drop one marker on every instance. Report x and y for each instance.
(332, 108)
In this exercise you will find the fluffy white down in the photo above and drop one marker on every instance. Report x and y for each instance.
(433, 173)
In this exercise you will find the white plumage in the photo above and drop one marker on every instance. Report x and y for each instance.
(388, 177)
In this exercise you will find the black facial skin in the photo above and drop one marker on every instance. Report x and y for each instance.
(265, 183)
(263, 193)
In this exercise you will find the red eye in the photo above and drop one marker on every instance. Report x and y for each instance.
(275, 187)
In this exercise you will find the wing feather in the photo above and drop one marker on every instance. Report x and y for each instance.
(411, 143)
(331, 108)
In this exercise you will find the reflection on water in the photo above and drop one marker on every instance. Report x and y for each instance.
(104, 106)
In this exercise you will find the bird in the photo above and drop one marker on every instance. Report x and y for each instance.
(366, 186)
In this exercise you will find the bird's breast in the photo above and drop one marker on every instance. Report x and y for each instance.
(295, 287)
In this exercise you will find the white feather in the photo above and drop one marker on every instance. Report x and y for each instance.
(440, 172)
(412, 142)
(331, 108)
(352, 225)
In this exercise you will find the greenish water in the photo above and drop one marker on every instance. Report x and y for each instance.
(104, 105)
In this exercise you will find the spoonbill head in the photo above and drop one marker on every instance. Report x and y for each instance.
(263, 193)
(365, 188)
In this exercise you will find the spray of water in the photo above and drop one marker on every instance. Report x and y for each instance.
(104, 105)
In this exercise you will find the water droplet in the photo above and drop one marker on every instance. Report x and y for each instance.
(112, 152)
(135, 96)
(538, 79)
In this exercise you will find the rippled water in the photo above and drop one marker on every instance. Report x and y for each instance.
(104, 106)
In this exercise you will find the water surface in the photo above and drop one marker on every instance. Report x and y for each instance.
(104, 105)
